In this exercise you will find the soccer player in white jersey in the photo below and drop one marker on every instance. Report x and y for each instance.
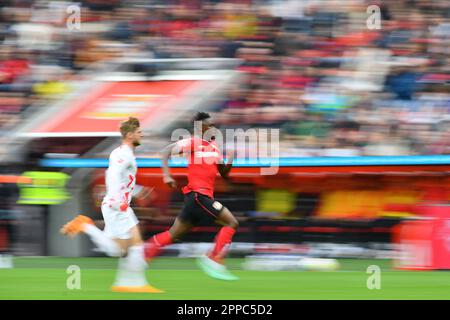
(121, 235)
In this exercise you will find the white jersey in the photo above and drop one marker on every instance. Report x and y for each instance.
(121, 177)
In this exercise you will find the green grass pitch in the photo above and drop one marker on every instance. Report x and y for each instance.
(45, 278)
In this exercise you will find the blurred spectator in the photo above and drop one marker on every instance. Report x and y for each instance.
(310, 67)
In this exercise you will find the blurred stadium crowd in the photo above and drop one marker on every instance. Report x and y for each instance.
(312, 68)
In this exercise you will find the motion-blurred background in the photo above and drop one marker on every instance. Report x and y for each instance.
(314, 69)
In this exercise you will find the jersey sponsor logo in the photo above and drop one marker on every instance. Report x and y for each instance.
(217, 205)
(209, 145)
(206, 154)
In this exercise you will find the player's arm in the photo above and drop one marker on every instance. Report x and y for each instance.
(141, 191)
(224, 169)
(115, 183)
(167, 152)
(177, 148)
(142, 194)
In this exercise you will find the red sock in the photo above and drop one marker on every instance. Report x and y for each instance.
(154, 245)
(222, 239)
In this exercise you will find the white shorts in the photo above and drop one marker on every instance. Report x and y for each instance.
(118, 223)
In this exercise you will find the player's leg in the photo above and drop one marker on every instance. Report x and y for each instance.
(135, 239)
(103, 241)
(179, 229)
(115, 239)
(131, 269)
(134, 247)
(154, 245)
(225, 234)
(214, 209)
(183, 223)
(212, 264)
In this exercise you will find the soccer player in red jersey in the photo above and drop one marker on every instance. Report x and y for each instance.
(204, 162)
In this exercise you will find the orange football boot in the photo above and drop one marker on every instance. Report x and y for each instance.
(76, 225)
(141, 289)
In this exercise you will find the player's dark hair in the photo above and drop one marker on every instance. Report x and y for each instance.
(200, 116)
(129, 125)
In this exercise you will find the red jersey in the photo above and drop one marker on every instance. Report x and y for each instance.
(203, 157)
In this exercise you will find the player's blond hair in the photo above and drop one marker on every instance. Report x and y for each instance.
(129, 125)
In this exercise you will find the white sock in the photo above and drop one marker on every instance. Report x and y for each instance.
(131, 269)
(135, 257)
(102, 241)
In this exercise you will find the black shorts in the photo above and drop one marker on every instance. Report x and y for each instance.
(197, 207)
